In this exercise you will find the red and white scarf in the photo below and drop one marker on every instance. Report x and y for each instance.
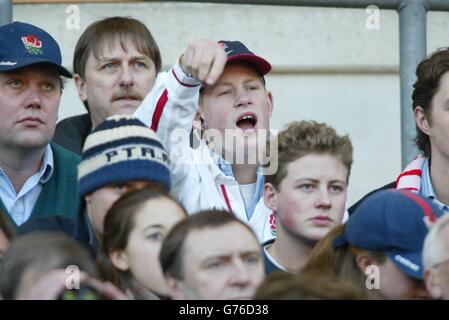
(410, 178)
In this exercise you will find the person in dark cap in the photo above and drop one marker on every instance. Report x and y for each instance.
(37, 178)
(224, 84)
(380, 246)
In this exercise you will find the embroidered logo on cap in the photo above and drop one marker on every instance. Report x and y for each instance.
(406, 262)
(32, 44)
(7, 63)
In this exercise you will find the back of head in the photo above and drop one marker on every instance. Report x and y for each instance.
(38, 253)
(172, 251)
(119, 150)
(300, 139)
(308, 286)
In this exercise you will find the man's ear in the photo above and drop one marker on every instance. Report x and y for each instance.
(80, 86)
(421, 120)
(174, 288)
(270, 103)
(119, 259)
(431, 281)
(270, 196)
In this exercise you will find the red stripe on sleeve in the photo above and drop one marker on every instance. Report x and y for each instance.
(158, 111)
(182, 83)
(225, 195)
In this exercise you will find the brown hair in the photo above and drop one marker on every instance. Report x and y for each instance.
(428, 73)
(40, 251)
(339, 262)
(101, 32)
(305, 137)
(118, 224)
(172, 251)
(307, 286)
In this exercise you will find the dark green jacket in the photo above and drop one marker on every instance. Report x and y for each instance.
(59, 194)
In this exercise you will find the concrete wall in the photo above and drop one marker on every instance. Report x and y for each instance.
(327, 64)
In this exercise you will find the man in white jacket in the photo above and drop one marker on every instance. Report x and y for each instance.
(224, 83)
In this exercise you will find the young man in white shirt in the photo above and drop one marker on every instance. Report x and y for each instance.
(224, 83)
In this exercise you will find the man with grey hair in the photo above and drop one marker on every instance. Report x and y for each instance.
(436, 259)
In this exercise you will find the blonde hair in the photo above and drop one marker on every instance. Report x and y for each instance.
(302, 138)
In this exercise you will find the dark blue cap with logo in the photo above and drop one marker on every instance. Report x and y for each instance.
(392, 221)
(22, 44)
(237, 51)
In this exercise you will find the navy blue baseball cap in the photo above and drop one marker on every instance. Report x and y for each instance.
(237, 51)
(22, 44)
(392, 221)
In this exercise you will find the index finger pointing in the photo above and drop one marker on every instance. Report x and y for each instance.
(217, 67)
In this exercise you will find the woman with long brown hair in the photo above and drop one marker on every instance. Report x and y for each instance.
(134, 229)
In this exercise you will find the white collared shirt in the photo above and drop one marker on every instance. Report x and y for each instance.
(20, 205)
(427, 188)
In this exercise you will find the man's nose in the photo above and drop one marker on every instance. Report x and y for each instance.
(33, 99)
(242, 98)
(241, 274)
(126, 76)
(323, 200)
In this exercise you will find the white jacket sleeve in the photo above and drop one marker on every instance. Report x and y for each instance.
(171, 104)
(169, 109)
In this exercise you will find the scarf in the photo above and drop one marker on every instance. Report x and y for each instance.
(410, 178)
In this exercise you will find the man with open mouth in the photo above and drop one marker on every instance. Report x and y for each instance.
(224, 84)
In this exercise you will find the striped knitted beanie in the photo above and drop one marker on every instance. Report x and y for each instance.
(119, 150)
